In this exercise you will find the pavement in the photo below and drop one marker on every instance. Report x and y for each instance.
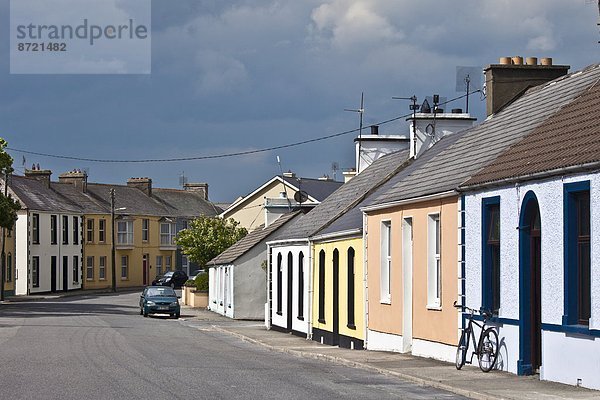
(469, 382)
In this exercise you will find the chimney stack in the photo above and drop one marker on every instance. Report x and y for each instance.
(511, 76)
(200, 188)
(75, 177)
(42, 175)
(144, 184)
(289, 174)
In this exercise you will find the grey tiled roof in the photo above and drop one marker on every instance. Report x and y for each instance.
(134, 200)
(317, 188)
(343, 199)
(477, 147)
(36, 195)
(569, 138)
(185, 202)
(250, 240)
(88, 203)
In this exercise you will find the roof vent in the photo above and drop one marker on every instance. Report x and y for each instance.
(457, 111)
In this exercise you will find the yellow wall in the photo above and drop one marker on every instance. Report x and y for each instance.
(9, 248)
(428, 324)
(135, 277)
(342, 246)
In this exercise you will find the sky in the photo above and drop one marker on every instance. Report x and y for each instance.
(237, 76)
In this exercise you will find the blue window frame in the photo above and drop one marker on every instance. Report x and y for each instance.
(490, 254)
(577, 252)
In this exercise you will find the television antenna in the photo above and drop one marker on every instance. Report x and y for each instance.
(360, 111)
(284, 185)
(414, 107)
(183, 180)
(468, 79)
(335, 167)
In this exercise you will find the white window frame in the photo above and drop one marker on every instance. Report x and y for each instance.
(159, 265)
(386, 262)
(124, 268)
(185, 264)
(434, 262)
(89, 268)
(125, 236)
(89, 238)
(35, 271)
(102, 268)
(167, 236)
(102, 231)
(145, 230)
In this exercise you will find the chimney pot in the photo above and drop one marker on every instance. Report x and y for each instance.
(374, 129)
(505, 61)
(547, 61)
(517, 60)
(531, 61)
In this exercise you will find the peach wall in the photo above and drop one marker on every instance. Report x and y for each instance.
(438, 325)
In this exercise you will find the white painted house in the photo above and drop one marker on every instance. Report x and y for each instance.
(532, 237)
(237, 276)
(48, 237)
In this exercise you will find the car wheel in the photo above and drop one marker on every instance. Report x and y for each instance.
(145, 313)
(177, 316)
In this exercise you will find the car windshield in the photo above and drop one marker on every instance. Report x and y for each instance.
(167, 274)
(161, 292)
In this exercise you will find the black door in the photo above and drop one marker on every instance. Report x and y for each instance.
(536, 295)
(336, 298)
(65, 273)
(53, 274)
(290, 274)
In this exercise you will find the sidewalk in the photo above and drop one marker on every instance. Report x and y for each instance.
(70, 293)
(469, 382)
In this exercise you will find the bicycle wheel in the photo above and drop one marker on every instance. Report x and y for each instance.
(488, 349)
(461, 349)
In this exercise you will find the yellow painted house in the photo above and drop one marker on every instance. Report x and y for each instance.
(339, 263)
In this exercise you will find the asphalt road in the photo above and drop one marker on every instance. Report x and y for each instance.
(99, 347)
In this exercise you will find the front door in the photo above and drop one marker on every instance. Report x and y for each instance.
(145, 269)
(336, 298)
(530, 298)
(65, 273)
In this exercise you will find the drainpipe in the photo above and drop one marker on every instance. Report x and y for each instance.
(365, 283)
(311, 257)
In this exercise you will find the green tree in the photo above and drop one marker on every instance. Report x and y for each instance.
(8, 205)
(8, 208)
(207, 237)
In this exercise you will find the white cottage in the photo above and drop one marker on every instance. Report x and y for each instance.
(48, 237)
(237, 276)
(531, 236)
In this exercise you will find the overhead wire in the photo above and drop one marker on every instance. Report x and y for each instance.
(225, 155)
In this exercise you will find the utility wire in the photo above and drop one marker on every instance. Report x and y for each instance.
(226, 155)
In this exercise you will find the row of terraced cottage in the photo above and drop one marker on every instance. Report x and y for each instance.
(63, 236)
(503, 215)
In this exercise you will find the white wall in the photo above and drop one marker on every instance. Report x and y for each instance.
(281, 320)
(556, 365)
(26, 250)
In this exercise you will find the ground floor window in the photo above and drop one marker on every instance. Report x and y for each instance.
(102, 267)
(124, 267)
(89, 273)
(159, 265)
(9, 267)
(75, 269)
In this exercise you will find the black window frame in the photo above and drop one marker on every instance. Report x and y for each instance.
(35, 228)
(301, 286)
(351, 279)
(322, 286)
(65, 229)
(54, 229)
(279, 284)
(75, 230)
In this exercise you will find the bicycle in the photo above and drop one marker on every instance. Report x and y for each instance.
(487, 346)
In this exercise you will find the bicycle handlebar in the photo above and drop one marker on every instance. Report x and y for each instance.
(485, 313)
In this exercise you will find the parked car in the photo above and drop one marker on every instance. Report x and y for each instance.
(196, 273)
(171, 278)
(159, 300)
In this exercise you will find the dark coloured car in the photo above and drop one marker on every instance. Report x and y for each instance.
(159, 300)
(171, 278)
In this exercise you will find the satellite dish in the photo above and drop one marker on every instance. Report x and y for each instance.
(301, 196)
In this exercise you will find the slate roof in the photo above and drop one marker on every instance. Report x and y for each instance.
(343, 199)
(134, 200)
(185, 202)
(569, 138)
(479, 146)
(36, 195)
(317, 188)
(88, 203)
(250, 240)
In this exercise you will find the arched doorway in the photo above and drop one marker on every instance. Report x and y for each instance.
(530, 307)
